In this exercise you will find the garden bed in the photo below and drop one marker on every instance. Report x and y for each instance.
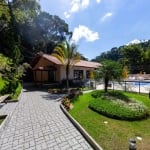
(112, 133)
(2, 118)
(118, 106)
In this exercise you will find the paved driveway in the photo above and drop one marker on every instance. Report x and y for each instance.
(38, 123)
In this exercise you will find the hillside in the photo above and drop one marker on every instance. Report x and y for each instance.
(134, 55)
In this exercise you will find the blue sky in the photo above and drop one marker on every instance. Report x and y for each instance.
(99, 25)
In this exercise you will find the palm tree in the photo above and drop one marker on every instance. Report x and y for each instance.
(110, 70)
(67, 54)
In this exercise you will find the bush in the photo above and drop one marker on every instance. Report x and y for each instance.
(74, 93)
(66, 103)
(3, 86)
(116, 105)
(116, 110)
(97, 93)
(17, 91)
(110, 95)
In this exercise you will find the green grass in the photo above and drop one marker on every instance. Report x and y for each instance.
(116, 134)
(2, 83)
(1, 120)
(17, 92)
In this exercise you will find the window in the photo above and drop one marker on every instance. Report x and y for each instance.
(78, 74)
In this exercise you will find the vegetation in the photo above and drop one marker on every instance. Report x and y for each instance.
(135, 56)
(110, 70)
(66, 53)
(117, 105)
(17, 92)
(10, 75)
(26, 30)
(112, 133)
(1, 120)
(3, 84)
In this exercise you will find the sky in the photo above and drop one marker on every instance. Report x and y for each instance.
(99, 25)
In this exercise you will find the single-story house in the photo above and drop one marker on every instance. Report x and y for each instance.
(47, 68)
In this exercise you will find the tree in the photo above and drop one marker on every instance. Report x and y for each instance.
(41, 34)
(134, 55)
(125, 72)
(110, 70)
(67, 54)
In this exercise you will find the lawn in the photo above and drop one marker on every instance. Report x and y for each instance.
(115, 134)
(2, 83)
(1, 120)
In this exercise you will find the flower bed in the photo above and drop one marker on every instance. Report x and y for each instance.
(118, 106)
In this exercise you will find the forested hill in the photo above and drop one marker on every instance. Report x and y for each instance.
(135, 56)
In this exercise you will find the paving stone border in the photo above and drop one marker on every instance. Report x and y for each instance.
(91, 141)
(8, 117)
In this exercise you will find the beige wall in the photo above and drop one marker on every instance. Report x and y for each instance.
(71, 76)
(60, 72)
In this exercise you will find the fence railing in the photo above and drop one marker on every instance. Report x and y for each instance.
(131, 86)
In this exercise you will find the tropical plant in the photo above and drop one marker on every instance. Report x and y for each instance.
(66, 53)
(110, 70)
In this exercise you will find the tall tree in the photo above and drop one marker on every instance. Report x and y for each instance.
(134, 55)
(67, 54)
(9, 40)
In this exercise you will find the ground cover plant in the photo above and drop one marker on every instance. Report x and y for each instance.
(110, 133)
(1, 120)
(116, 105)
(17, 92)
(3, 84)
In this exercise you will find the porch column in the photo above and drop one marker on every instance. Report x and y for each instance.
(84, 74)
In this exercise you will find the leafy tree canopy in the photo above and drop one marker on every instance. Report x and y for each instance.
(136, 56)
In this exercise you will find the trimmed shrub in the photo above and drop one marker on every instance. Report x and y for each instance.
(116, 105)
(74, 93)
(111, 95)
(117, 111)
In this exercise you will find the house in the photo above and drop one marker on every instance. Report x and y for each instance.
(47, 68)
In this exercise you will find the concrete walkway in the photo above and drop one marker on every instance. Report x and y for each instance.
(38, 123)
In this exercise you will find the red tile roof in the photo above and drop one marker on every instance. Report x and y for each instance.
(52, 59)
(81, 63)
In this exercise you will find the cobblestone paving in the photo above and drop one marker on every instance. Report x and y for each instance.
(38, 123)
(6, 109)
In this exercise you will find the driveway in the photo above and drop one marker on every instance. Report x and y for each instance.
(38, 123)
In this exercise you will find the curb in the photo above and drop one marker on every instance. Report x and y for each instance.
(90, 140)
(8, 117)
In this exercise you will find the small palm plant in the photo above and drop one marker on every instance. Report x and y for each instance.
(110, 70)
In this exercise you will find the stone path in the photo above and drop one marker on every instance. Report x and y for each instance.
(38, 123)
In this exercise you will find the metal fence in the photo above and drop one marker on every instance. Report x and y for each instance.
(131, 86)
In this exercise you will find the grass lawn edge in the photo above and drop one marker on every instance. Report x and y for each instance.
(90, 140)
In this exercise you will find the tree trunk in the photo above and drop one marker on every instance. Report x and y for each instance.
(106, 80)
(67, 77)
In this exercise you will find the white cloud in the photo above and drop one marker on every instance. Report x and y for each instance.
(135, 41)
(77, 5)
(98, 1)
(106, 16)
(84, 32)
(66, 14)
